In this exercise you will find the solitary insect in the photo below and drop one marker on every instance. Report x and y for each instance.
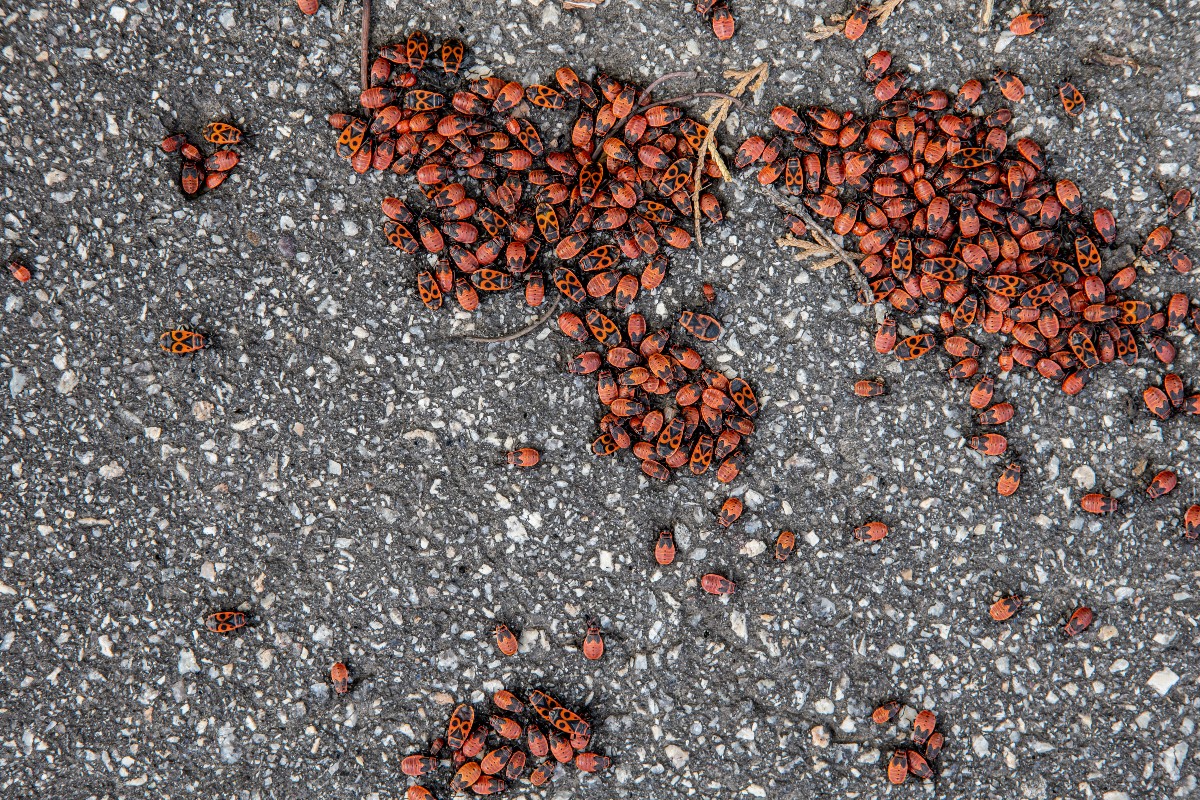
(869, 387)
(506, 727)
(489, 784)
(590, 762)
(702, 326)
(1072, 99)
(933, 748)
(884, 714)
(715, 584)
(1005, 607)
(20, 272)
(181, 341)
(897, 769)
(1009, 480)
(222, 134)
(731, 510)
(1098, 503)
(1179, 202)
(418, 765)
(785, 545)
(1163, 483)
(507, 701)
(722, 23)
(459, 727)
(1027, 23)
(1010, 85)
(224, 621)
(923, 726)
(524, 457)
(664, 548)
(593, 642)
(505, 640)
(871, 532)
(494, 761)
(1191, 522)
(1079, 621)
(543, 772)
(856, 25)
(918, 766)
(339, 674)
(466, 777)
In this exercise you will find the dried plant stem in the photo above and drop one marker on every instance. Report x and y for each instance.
(517, 334)
(365, 63)
(820, 235)
(985, 14)
(644, 97)
(879, 13)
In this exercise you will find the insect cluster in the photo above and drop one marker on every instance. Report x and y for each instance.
(946, 211)
(719, 14)
(907, 759)
(663, 404)
(617, 195)
(197, 172)
(488, 757)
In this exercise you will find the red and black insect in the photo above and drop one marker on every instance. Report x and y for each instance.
(1080, 620)
(182, 341)
(593, 642)
(339, 676)
(506, 642)
(225, 621)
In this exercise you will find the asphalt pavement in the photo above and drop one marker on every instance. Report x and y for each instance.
(335, 465)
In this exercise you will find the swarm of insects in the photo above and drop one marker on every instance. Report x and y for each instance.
(521, 741)
(197, 172)
(503, 208)
(663, 404)
(1171, 398)
(948, 212)
(908, 759)
(719, 15)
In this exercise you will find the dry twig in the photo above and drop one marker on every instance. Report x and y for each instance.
(571, 5)
(819, 233)
(365, 63)
(985, 15)
(752, 79)
(1109, 60)
(517, 334)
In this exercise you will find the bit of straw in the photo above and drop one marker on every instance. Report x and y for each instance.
(752, 79)
(985, 15)
(818, 233)
(571, 5)
(879, 13)
(365, 62)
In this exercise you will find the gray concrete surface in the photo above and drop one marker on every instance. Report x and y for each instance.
(335, 465)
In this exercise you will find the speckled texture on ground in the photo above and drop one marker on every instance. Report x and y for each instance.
(335, 465)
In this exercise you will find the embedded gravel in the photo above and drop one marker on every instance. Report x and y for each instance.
(335, 465)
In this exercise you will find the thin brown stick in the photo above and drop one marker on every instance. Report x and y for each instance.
(365, 63)
(985, 15)
(644, 97)
(819, 233)
(517, 334)
(686, 97)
